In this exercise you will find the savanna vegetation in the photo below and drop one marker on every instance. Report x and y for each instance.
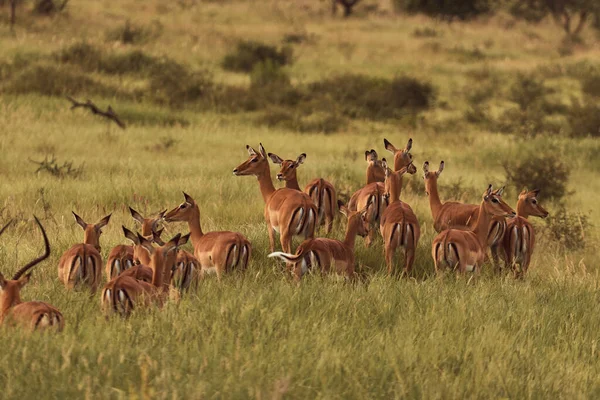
(500, 98)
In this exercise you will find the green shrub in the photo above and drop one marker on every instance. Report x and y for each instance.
(545, 171)
(425, 32)
(293, 120)
(249, 53)
(175, 86)
(584, 118)
(568, 229)
(268, 73)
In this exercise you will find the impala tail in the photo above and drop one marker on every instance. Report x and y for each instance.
(446, 253)
(322, 197)
(49, 319)
(116, 299)
(308, 258)
(83, 268)
(305, 218)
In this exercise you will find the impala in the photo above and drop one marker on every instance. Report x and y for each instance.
(321, 192)
(216, 252)
(453, 213)
(120, 257)
(288, 212)
(328, 254)
(399, 225)
(375, 171)
(125, 293)
(82, 263)
(187, 268)
(402, 157)
(519, 238)
(464, 249)
(30, 314)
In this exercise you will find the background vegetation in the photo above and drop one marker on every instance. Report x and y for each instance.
(500, 99)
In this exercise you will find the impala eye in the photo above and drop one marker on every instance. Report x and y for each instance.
(181, 207)
(495, 200)
(291, 166)
(534, 201)
(254, 160)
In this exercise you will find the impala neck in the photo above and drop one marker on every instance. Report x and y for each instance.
(482, 226)
(395, 189)
(521, 209)
(194, 226)
(8, 301)
(91, 239)
(266, 184)
(292, 183)
(434, 200)
(159, 271)
(351, 232)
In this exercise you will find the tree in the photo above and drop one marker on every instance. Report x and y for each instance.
(347, 4)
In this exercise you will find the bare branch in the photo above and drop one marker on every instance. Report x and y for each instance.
(109, 113)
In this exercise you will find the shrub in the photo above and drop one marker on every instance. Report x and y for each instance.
(135, 34)
(175, 86)
(293, 120)
(539, 171)
(528, 91)
(590, 84)
(449, 10)
(249, 53)
(54, 168)
(584, 118)
(268, 73)
(569, 229)
(425, 32)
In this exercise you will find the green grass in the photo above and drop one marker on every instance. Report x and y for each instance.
(258, 334)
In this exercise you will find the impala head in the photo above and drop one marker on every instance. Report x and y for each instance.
(149, 225)
(431, 177)
(186, 211)
(494, 205)
(356, 219)
(92, 232)
(165, 256)
(528, 204)
(256, 164)
(393, 181)
(10, 289)
(141, 246)
(402, 157)
(288, 167)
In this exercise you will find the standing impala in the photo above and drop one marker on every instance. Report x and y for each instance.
(82, 263)
(399, 224)
(321, 192)
(125, 293)
(453, 213)
(287, 211)
(217, 252)
(30, 314)
(519, 238)
(328, 254)
(375, 170)
(464, 249)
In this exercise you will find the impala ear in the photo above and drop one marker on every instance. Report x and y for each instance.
(425, 168)
(343, 208)
(130, 235)
(146, 244)
(535, 192)
(136, 215)
(80, 221)
(251, 151)
(389, 147)
(499, 192)
(184, 239)
(488, 192)
(300, 159)
(24, 280)
(384, 165)
(409, 144)
(156, 238)
(173, 243)
(2, 281)
(103, 222)
(367, 154)
(275, 158)
(263, 152)
(188, 198)
(440, 169)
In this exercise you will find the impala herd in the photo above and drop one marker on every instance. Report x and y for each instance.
(150, 270)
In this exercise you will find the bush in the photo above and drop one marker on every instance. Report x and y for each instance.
(539, 171)
(135, 34)
(569, 229)
(584, 118)
(449, 10)
(249, 53)
(528, 91)
(175, 86)
(425, 32)
(590, 84)
(293, 120)
(268, 73)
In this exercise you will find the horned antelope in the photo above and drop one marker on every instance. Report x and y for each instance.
(519, 238)
(30, 314)
(82, 263)
(453, 213)
(288, 212)
(328, 254)
(321, 192)
(120, 257)
(463, 249)
(399, 225)
(125, 293)
(375, 170)
(217, 252)
(187, 270)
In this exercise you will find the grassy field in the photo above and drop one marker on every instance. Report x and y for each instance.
(257, 334)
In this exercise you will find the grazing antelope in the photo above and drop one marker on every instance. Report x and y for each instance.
(464, 249)
(399, 225)
(217, 252)
(328, 254)
(125, 293)
(519, 238)
(288, 212)
(453, 213)
(321, 192)
(375, 170)
(82, 263)
(120, 257)
(30, 314)
(187, 268)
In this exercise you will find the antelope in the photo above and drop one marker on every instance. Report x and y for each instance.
(372, 195)
(216, 252)
(375, 170)
(519, 238)
(81, 264)
(321, 192)
(464, 249)
(399, 225)
(328, 254)
(120, 257)
(453, 213)
(125, 293)
(187, 268)
(288, 212)
(30, 314)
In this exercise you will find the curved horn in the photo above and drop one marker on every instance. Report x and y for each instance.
(41, 258)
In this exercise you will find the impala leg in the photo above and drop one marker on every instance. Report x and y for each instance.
(409, 259)
(389, 258)
(328, 223)
(370, 237)
(271, 232)
(495, 250)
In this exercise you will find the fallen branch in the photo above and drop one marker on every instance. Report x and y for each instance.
(109, 113)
